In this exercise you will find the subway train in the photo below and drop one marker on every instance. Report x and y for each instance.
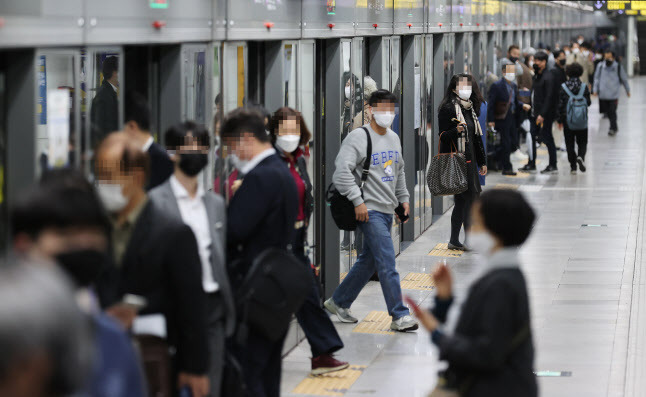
(198, 59)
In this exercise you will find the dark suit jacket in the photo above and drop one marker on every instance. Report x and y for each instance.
(104, 113)
(544, 95)
(164, 197)
(498, 92)
(161, 166)
(162, 264)
(261, 215)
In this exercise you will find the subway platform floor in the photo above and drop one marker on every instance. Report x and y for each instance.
(583, 264)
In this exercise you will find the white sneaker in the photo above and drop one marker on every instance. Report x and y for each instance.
(344, 315)
(519, 156)
(404, 324)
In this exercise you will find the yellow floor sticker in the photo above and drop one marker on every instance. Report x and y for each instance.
(506, 186)
(420, 281)
(343, 276)
(375, 323)
(330, 384)
(518, 175)
(443, 250)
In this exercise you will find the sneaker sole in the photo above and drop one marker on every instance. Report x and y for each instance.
(321, 371)
(411, 328)
(332, 309)
(581, 165)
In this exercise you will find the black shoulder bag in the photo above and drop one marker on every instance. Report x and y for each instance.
(342, 209)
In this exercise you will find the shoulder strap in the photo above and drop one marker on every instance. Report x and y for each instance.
(581, 91)
(567, 90)
(366, 163)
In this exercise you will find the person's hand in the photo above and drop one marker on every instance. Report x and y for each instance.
(540, 120)
(527, 107)
(235, 186)
(361, 212)
(406, 210)
(491, 124)
(427, 320)
(483, 170)
(124, 314)
(594, 94)
(628, 93)
(199, 384)
(443, 281)
(460, 128)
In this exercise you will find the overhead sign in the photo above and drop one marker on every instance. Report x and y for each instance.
(621, 6)
(158, 4)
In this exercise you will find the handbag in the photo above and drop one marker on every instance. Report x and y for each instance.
(447, 174)
(341, 208)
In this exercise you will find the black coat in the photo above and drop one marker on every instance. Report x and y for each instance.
(105, 113)
(162, 264)
(261, 215)
(498, 92)
(574, 85)
(495, 311)
(544, 94)
(161, 166)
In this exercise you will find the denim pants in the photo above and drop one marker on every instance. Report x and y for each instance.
(378, 254)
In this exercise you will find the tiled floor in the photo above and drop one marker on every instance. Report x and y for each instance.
(588, 292)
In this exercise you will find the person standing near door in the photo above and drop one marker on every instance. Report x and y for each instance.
(105, 105)
(383, 191)
(608, 79)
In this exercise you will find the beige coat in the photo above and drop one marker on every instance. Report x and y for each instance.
(585, 62)
(361, 119)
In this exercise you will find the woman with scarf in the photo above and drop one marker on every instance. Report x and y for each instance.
(485, 334)
(460, 131)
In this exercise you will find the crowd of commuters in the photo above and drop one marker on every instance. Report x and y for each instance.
(148, 270)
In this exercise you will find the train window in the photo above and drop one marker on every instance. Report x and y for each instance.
(420, 141)
(195, 84)
(3, 158)
(56, 136)
(395, 87)
(235, 76)
(289, 53)
(468, 53)
(358, 71)
(430, 112)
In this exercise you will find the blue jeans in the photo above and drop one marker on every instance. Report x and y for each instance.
(378, 254)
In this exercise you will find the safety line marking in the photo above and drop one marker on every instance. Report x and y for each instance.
(375, 322)
(442, 249)
(506, 186)
(330, 384)
(419, 281)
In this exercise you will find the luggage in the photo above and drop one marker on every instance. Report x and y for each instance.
(341, 208)
(447, 175)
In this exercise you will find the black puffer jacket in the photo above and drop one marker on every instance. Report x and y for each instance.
(574, 85)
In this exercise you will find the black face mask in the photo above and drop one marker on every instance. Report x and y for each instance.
(562, 62)
(537, 68)
(82, 266)
(609, 62)
(192, 163)
(513, 59)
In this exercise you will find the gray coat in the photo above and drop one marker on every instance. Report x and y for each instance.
(163, 197)
(607, 82)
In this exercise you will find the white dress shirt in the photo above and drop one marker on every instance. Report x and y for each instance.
(194, 214)
(148, 144)
(256, 160)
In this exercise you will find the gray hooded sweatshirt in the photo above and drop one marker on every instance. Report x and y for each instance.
(385, 187)
(607, 82)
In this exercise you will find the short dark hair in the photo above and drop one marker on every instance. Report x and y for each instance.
(110, 65)
(609, 51)
(64, 198)
(513, 47)
(240, 121)
(137, 110)
(541, 56)
(557, 53)
(381, 96)
(285, 113)
(507, 215)
(260, 109)
(574, 70)
(176, 135)
(585, 44)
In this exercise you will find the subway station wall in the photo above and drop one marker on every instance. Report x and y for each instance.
(95, 22)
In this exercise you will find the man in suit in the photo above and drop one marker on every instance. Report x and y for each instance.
(155, 257)
(261, 215)
(105, 105)
(183, 196)
(504, 107)
(138, 128)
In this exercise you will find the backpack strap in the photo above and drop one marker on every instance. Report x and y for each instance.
(567, 90)
(581, 91)
(366, 163)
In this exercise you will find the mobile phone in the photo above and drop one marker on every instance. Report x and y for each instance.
(185, 391)
(412, 304)
(135, 301)
(401, 213)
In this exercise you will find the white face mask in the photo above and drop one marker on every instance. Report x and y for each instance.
(237, 162)
(586, 53)
(580, 41)
(481, 242)
(567, 52)
(347, 92)
(383, 119)
(575, 50)
(288, 143)
(510, 76)
(531, 64)
(465, 93)
(598, 56)
(111, 196)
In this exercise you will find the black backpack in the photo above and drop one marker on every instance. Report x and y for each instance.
(342, 209)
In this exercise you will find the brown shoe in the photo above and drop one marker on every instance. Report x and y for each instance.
(327, 363)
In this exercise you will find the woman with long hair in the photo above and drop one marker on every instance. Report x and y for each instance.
(460, 130)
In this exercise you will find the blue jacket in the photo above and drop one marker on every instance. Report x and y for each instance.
(498, 92)
(607, 80)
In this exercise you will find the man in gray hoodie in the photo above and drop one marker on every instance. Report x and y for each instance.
(383, 192)
(608, 79)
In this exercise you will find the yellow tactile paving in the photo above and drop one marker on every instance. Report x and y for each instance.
(420, 281)
(443, 250)
(506, 186)
(331, 384)
(375, 323)
(343, 276)
(518, 175)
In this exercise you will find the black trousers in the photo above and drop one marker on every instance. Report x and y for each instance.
(216, 335)
(461, 214)
(610, 107)
(261, 361)
(319, 329)
(545, 134)
(581, 139)
(507, 129)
